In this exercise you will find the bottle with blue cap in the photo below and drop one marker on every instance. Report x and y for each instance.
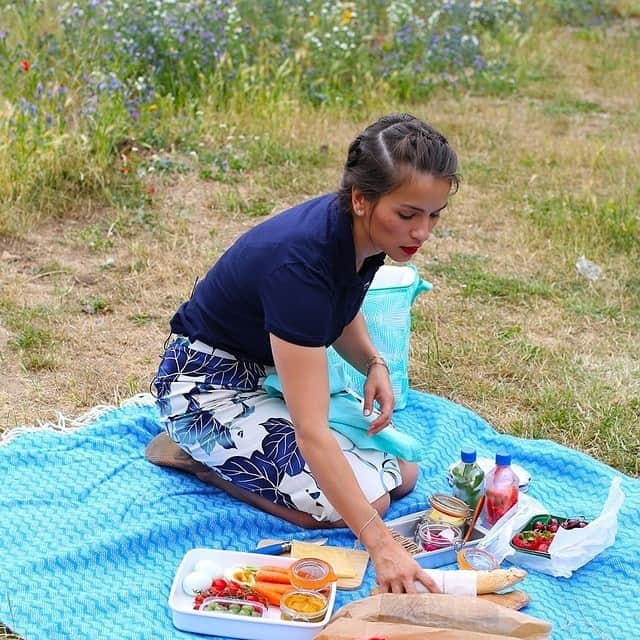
(467, 478)
(501, 489)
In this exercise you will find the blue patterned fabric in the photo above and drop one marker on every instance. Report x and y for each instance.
(92, 533)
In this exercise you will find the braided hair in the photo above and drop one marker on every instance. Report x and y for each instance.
(384, 155)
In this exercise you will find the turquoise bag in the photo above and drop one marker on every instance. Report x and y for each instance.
(387, 312)
(345, 417)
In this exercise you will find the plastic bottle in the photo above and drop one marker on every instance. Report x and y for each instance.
(468, 478)
(501, 490)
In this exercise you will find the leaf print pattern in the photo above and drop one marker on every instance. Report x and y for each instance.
(213, 405)
(216, 371)
(281, 447)
(258, 474)
(202, 428)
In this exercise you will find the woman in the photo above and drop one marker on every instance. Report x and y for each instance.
(285, 291)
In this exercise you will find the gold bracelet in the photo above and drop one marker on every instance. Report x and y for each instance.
(373, 360)
(367, 523)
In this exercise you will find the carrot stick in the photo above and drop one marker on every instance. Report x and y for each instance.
(263, 575)
(272, 586)
(273, 597)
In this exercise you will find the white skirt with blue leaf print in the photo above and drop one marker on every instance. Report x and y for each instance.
(213, 406)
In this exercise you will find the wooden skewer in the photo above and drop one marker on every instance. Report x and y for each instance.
(474, 519)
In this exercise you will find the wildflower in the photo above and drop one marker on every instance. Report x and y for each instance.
(347, 16)
(25, 65)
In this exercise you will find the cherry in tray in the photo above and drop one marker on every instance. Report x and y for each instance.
(539, 532)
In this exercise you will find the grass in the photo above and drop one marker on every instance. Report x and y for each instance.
(549, 175)
(109, 229)
(33, 341)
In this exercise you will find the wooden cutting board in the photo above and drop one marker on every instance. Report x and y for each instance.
(357, 557)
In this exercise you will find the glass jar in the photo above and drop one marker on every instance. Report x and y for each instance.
(312, 574)
(303, 605)
(433, 536)
(476, 559)
(448, 510)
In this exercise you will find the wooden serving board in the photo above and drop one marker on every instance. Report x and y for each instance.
(357, 557)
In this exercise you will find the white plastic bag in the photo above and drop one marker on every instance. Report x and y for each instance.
(570, 548)
(497, 540)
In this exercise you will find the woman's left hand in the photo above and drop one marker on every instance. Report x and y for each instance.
(378, 388)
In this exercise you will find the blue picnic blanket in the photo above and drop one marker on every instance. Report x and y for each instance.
(92, 533)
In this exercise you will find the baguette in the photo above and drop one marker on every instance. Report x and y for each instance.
(463, 581)
(498, 579)
(512, 599)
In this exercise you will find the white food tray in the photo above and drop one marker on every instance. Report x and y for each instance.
(213, 623)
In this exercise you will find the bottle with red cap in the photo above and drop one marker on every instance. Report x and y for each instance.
(501, 490)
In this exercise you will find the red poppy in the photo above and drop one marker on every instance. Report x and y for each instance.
(25, 65)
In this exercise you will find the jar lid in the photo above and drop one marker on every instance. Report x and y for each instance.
(449, 505)
(311, 573)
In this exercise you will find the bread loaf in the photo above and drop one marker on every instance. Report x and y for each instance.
(512, 599)
(498, 579)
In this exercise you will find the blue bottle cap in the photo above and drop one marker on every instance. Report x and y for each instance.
(503, 459)
(468, 454)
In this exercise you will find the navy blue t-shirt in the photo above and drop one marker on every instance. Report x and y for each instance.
(293, 275)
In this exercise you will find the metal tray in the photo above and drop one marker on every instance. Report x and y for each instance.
(406, 526)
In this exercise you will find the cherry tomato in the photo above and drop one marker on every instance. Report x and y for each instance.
(219, 583)
(520, 542)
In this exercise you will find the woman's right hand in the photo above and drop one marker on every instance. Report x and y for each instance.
(396, 571)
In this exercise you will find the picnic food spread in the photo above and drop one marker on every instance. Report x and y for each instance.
(299, 593)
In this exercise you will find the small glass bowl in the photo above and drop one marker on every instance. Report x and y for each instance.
(303, 605)
(476, 559)
(231, 606)
(433, 536)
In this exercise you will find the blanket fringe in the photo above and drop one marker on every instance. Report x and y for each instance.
(65, 424)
